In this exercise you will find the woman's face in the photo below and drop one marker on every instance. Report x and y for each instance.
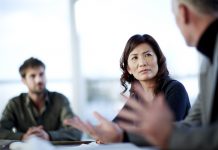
(142, 63)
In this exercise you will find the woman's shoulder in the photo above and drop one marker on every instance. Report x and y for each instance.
(171, 83)
(174, 90)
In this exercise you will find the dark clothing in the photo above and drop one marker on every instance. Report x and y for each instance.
(177, 99)
(20, 114)
(206, 44)
(214, 113)
(199, 130)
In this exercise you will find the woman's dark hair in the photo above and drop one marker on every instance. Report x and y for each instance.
(131, 44)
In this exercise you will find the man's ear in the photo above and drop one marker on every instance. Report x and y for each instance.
(184, 11)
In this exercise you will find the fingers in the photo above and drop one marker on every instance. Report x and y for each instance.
(79, 124)
(129, 115)
(40, 126)
(163, 109)
(98, 141)
(68, 122)
(124, 97)
(33, 130)
(37, 131)
(92, 130)
(74, 122)
(140, 91)
(42, 134)
(39, 134)
(100, 118)
(160, 100)
(86, 127)
(128, 127)
(134, 105)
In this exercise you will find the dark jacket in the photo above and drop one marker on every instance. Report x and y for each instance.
(20, 114)
(199, 130)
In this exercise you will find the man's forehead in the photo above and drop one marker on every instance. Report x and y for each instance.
(35, 69)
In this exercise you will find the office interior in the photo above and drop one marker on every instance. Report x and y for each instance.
(81, 42)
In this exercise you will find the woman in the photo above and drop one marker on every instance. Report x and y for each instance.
(142, 63)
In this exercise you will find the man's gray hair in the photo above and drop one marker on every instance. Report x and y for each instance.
(204, 6)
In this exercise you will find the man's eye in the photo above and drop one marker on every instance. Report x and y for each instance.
(41, 74)
(32, 76)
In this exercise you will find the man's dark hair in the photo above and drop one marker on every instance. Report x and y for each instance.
(30, 63)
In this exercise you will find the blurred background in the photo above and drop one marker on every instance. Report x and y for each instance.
(81, 42)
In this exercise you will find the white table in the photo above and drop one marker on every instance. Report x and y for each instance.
(94, 146)
(35, 143)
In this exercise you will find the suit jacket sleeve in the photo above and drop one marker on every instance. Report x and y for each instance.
(195, 138)
(192, 134)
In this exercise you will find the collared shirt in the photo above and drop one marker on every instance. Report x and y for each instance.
(29, 102)
(21, 114)
(37, 114)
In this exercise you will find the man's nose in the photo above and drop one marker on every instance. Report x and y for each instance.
(39, 79)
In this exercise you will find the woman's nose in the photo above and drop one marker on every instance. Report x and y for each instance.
(142, 61)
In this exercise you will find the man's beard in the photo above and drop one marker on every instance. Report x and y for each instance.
(39, 92)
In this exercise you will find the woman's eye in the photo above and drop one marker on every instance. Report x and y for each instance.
(148, 54)
(134, 58)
